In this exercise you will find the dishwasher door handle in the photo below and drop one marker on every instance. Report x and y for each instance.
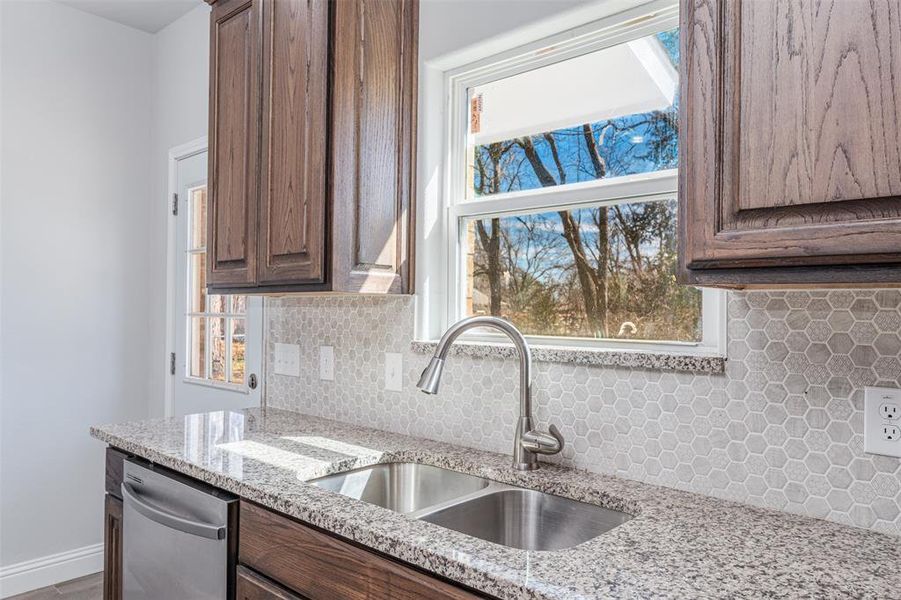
(157, 515)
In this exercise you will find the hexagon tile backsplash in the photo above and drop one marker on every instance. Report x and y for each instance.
(782, 428)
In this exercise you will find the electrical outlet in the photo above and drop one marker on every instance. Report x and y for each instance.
(881, 419)
(394, 371)
(326, 363)
(287, 360)
(889, 411)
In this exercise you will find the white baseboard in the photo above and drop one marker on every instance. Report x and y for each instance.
(48, 570)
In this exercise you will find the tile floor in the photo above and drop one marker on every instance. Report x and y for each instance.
(83, 588)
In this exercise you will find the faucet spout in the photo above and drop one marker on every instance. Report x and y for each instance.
(528, 442)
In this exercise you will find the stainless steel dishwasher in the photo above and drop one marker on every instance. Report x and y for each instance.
(179, 537)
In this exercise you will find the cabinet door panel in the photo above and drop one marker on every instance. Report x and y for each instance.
(819, 118)
(790, 134)
(295, 80)
(234, 141)
(373, 132)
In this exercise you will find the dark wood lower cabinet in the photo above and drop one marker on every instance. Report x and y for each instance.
(320, 566)
(112, 549)
(115, 466)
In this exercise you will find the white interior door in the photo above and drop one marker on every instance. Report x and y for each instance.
(218, 339)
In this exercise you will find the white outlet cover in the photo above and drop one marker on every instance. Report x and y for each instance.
(287, 360)
(874, 439)
(394, 371)
(327, 363)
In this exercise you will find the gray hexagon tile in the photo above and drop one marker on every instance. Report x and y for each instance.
(781, 428)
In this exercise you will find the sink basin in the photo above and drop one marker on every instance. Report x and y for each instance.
(492, 511)
(402, 487)
(528, 519)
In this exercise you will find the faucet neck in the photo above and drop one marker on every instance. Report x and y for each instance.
(519, 342)
(528, 442)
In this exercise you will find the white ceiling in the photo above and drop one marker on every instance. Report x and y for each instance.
(146, 15)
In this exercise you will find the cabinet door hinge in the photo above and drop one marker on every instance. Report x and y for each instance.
(172, 363)
(175, 204)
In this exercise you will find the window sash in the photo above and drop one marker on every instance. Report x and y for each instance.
(711, 319)
(657, 185)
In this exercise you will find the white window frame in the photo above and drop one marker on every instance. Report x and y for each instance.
(444, 258)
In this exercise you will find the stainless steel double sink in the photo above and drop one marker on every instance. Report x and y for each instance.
(492, 511)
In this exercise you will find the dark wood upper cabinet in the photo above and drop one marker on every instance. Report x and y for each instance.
(295, 100)
(790, 142)
(373, 138)
(234, 141)
(312, 133)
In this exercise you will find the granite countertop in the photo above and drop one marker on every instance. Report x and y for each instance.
(679, 545)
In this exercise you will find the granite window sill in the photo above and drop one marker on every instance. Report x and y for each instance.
(664, 361)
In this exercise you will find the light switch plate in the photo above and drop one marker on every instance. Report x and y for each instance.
(880, 422)
(394, 371)
(287, 360)
(327, 363)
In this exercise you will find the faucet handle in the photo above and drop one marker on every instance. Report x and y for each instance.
(543, 442)
(557, 436)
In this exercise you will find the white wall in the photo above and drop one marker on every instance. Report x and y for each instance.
(181, 63)
(75, 297)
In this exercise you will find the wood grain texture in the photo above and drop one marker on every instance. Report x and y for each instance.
(820, 85)
(373, 120)
(790, 139)
(233, 184)
(115, 471)
(295, 99)
(322, 567)
(112, 548)
(252, 586)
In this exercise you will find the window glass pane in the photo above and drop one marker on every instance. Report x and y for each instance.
(238, 340)
(198, 218)
(197, 348)
(604, 272)
(604, 114)
(218, 347)
(197, 264)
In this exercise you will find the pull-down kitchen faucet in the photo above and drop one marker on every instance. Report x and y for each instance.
(528, 443)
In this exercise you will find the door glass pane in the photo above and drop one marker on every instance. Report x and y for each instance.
(218, 303)
(197, 350)
(216, 339)
(608, 113)
(198, 282)
(218, 348)
(238, 347)
(198, 218)
(602, 272)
